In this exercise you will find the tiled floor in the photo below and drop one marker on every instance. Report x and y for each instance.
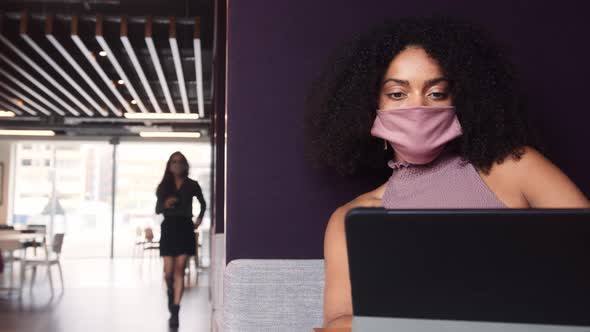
(107, 296)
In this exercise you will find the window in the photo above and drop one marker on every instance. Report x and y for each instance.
(67, 163)
(68, 147)
(80, 179)
(69, 179)
(87, 218)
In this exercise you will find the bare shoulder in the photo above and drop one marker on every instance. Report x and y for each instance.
(529, 158)
(370, 199)
(538, 180)
(337, 294)
(335, 230)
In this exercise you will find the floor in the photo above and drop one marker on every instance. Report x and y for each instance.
(107, 296)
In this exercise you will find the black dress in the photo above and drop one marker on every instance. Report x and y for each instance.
(177, 229)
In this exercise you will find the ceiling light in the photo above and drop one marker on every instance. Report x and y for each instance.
(120, 82)
(162, 116)
(102, 53)
(7, 114)
(6, 132)
(133, 101)
(169, 134)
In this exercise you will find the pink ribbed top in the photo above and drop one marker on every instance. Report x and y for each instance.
(448, 182)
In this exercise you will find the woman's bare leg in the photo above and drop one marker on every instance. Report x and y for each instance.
(179, 267)
(169, 271)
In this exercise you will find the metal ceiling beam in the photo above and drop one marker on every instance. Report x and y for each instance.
(39, 85)
(45, 75)
(12, 100)
(57, 68)
(77, 121)
(7, 107)
(32, 92)
(106, 18)
(131, 53)
(35, 82)
(92, 60)
(149, 41)
(178, 64)
(111, 56)
(76, 66)
(198, 66)
(24, 98)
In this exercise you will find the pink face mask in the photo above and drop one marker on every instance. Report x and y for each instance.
(417, 134)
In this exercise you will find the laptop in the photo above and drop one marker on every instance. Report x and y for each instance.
(469, 270)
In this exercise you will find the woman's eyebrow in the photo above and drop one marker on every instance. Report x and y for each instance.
(398, 81)
(435, 81)
(427, 84)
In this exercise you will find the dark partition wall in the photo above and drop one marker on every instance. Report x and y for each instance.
(218, 118)
(277, 205)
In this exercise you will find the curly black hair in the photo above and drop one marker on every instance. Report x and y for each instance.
(344, 99)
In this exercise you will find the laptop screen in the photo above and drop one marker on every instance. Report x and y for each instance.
(502, 266)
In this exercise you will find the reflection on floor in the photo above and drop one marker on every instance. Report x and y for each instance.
(107, 296)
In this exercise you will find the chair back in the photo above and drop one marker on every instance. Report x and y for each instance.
(149, 234)
(37, 228)
(58, 240)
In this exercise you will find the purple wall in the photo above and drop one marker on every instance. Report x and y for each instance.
(277, 205)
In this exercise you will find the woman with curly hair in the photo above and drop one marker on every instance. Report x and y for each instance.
(437, 100)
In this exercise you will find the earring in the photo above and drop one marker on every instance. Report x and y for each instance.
(385, 145)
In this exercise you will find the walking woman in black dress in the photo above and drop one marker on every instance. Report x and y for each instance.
(177, 243)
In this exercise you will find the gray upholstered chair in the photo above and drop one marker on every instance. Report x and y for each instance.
(273, 295)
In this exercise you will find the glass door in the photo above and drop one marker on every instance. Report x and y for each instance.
(140, 167)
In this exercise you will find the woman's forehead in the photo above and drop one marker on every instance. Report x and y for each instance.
(413, 64)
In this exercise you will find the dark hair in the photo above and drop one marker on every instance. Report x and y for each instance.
(343, 102)
(167, 185)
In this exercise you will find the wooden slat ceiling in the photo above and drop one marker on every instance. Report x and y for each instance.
(56, 68)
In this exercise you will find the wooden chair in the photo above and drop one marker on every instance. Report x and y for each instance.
(140, 242)
(38, 228)
(150, 244)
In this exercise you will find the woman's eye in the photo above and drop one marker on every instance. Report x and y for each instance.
(439, 95)
(397, 95)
